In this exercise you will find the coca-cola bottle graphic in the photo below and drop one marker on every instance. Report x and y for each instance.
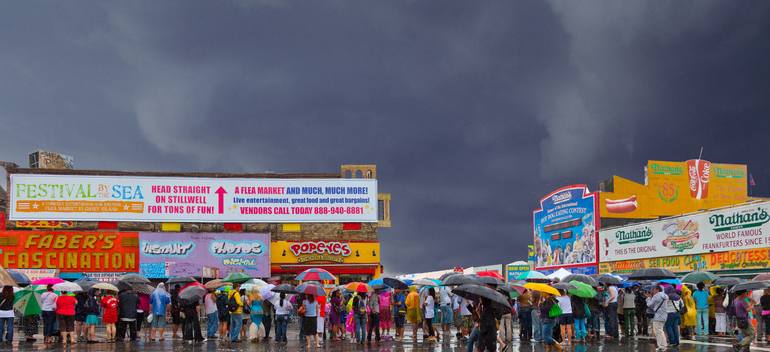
(699, 172)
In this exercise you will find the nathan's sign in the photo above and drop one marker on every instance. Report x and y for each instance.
(729, 229)
(70, 251)
(190, 199)
(332, 252)
(750, 259)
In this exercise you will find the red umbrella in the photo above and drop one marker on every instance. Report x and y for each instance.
(47, 281)
(491, 273)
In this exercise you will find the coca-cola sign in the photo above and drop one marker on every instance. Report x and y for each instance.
(699, 173)
(321, 247)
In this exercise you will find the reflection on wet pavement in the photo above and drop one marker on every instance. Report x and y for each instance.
(447, 344)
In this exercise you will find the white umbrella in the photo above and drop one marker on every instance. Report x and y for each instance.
(559, 274)
(255, 282)
(67, 287)
(105, 286)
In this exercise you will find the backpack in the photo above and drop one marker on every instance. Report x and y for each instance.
(222, 302)
(232, 303)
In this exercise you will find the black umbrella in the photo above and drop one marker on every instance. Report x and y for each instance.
(379, 287)
(727, 281)
(582, 278)
(608, 279)
(473, 292)
(457, 280)
(446, 275)
(652, 274)
(751, 286)
(563, 286)
(284, 288)
(86, 283)
(123, 286)
(180, 280)
(134, 279)
(395, 283)
(488, 280)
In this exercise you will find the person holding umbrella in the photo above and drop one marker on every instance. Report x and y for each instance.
(310, 320)
(176, 318)
(223, 313)
(398, 302)
(110, 314)
(159, 301)
(656, 302)
(48, 306)
(282, 311)
(235, 305)
(580, 314)
(566, 319)
(92, 315)
(548, 319)
(430, 312)
(65, 310)
(335, 314)
(719, 312)
(743, 306)
(212, 313)
(525, 315)
(128, 303)
(701, 297)
(374, 318)
(611, 309)
(6, 314)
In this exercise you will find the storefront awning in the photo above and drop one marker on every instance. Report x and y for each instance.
(341, 269)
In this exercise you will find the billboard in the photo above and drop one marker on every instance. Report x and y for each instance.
(324, 252)
(165, 254)
(513, 270)
(190, 199)
(748, 259)
(70, 251)
(565, 228)
(674, 188)
(727, 229)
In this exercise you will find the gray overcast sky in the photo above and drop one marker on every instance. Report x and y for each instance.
(471, 110)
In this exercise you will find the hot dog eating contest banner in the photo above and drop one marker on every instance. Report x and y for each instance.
(729, 229)
(191, 199)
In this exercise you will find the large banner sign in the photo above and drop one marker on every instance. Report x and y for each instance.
(70, 251)
(728, 229)
(165, 254)
(190, 199)
(565, 228)
(674, 188)
(750, 259)
(324, 252)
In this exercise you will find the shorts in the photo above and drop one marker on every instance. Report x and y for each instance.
(566, 319)
(399, 319)
(158, 322)
(176, 318)
(446, 315)
(309, 324)
(66, 323)
(224, 317)
(80, 318)
(92, 319)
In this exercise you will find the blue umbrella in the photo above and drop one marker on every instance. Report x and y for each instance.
(672, 281)
(20, 278)
(376, 282)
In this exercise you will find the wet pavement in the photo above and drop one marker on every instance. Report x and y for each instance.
(449, 343)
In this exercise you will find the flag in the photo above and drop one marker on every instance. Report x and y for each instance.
(751, 181)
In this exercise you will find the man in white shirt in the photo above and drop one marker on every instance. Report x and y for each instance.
(445, 305)
(611, 312)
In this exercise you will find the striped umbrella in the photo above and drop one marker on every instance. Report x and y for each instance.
(358, 287)
(27, 300)
(315, 274)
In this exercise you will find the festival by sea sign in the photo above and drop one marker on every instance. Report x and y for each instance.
(565, 228)
(191, 199)
(70, 251)
(728, 229)
(165, 254)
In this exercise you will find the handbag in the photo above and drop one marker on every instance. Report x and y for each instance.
(555, 311)
(150, 317)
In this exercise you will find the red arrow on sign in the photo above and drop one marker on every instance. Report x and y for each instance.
(221, 192)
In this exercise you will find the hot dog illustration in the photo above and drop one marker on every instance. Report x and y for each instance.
(620, 206)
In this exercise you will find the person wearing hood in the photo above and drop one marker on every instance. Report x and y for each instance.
(674, 308)
(159, 301)
(656, 305)
(688, 318)
(413, 313)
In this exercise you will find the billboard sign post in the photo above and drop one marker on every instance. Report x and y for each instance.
(565, 229)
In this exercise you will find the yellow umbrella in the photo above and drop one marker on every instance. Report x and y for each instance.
(542, 288)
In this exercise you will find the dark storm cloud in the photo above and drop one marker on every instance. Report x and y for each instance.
(472, 111)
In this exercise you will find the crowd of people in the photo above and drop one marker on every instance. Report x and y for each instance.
(232, 314)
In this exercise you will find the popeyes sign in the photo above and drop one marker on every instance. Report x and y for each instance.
(332, 248)
(337, 252)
